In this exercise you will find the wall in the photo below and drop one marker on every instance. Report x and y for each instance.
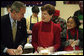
(2, 11)
(66, 10)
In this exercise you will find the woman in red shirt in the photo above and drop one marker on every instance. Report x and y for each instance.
(74, 38)
(46, 34)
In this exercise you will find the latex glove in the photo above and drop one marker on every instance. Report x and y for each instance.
(19, 50)
(71, 41)
(51, 49)
(75, 43)
(40, 48)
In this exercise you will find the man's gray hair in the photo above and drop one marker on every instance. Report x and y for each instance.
(17, 5)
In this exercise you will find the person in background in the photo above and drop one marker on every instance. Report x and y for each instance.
(8, 8)
(13, 30)
(74, 38)
(32, 19)
(79, 14)
(58, 20)
(46, 34)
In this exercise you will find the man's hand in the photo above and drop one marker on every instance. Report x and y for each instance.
(10, 51)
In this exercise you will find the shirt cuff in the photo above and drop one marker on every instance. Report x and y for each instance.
(4, 51)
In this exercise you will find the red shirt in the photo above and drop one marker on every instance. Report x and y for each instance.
(46, 27)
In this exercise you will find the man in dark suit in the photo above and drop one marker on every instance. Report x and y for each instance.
(13, 30)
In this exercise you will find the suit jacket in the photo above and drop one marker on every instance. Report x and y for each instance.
(6, 33)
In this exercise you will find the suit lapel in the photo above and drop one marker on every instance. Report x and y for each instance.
(10, 28)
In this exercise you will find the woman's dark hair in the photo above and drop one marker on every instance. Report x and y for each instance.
(35, 9)
(76, 19)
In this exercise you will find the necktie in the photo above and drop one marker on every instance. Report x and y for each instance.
(14, 30)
